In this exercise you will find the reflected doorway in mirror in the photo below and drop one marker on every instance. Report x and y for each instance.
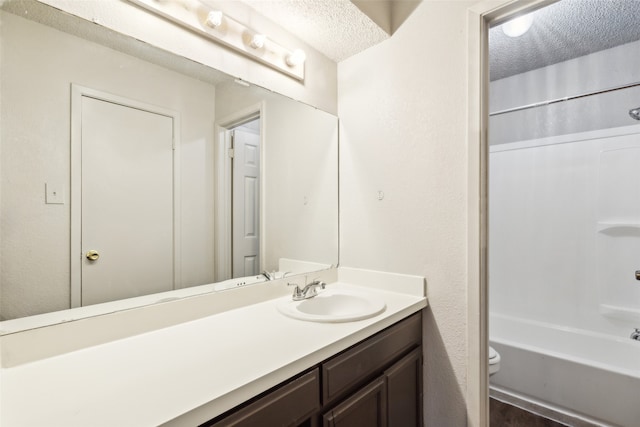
(123, 198)
(245, 213)
(239, 195)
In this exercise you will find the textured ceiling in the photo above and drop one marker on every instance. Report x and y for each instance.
(337, 28)
(562, 31)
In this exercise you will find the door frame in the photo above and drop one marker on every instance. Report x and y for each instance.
(223, 189)
(75, 200)
(480, 17)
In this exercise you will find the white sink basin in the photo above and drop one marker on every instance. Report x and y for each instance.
(330, 305)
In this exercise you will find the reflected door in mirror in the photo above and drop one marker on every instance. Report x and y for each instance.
(246, 203)
(127, 202)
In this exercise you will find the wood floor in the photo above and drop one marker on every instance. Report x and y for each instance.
(505, 415)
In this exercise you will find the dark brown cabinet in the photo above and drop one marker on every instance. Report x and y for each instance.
(375, 383)
(404, 391)
(291, 404)
(366, 408)
(393, 399)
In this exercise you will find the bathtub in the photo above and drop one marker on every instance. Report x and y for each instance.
(580, 376)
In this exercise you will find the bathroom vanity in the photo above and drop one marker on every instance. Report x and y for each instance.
(377, 382)
(226, 368)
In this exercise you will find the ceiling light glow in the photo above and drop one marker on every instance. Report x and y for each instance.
(518, 26)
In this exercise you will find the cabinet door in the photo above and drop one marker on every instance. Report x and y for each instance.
(404, 391)
(366, 408)
(348, 371)
(290, 405)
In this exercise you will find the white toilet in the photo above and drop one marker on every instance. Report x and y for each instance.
(494, 361)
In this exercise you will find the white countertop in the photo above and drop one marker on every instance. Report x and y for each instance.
(183, 374)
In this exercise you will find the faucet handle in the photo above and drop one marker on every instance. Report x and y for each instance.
(297, 292)
(319, 282)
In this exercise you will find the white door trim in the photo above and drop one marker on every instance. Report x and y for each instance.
(77, 92)
(479, 18)
(223, 188)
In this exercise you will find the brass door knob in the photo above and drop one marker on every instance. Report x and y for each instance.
(93, 255)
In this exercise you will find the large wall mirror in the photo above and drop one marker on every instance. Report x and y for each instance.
(127, 171)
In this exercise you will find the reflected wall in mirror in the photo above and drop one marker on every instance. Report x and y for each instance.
(75, 175)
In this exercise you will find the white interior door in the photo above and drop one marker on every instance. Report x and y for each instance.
(246, 203)
(127, 199)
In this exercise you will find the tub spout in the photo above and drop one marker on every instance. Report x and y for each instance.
(635, 335)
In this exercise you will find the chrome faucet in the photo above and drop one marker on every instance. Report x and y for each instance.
(309, 291)
(268, 275)
(273, 275)
(635, 335)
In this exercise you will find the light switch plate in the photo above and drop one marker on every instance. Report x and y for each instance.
(54, 194)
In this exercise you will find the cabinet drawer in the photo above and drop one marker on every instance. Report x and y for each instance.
(357, 365)
(289, 405)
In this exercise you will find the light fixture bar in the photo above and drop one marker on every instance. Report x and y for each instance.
(216, 26)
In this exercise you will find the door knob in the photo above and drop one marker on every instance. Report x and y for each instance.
(637, 274)
(93, 255)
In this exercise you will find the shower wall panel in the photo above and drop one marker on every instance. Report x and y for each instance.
(551, 257)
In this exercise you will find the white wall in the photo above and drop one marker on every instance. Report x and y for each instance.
(402, 106)
(36, 82)
(319, 87)
(300, 176)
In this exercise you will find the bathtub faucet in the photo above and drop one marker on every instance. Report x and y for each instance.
(635, 335)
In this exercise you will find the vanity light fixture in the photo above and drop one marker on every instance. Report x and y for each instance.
(257, 41)
(189, 5)
(214, 19)
(212, 24)
(295, 58)
(518, 26)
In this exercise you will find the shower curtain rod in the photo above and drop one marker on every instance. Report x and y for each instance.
(566, 98)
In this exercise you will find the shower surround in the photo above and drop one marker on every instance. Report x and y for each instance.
(564, 247)
(564, 238)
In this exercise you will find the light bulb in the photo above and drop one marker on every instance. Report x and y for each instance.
(295, 58)
(518, 26)
(214, 19)
(257, 41)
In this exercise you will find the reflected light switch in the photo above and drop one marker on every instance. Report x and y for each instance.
(54, 194)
